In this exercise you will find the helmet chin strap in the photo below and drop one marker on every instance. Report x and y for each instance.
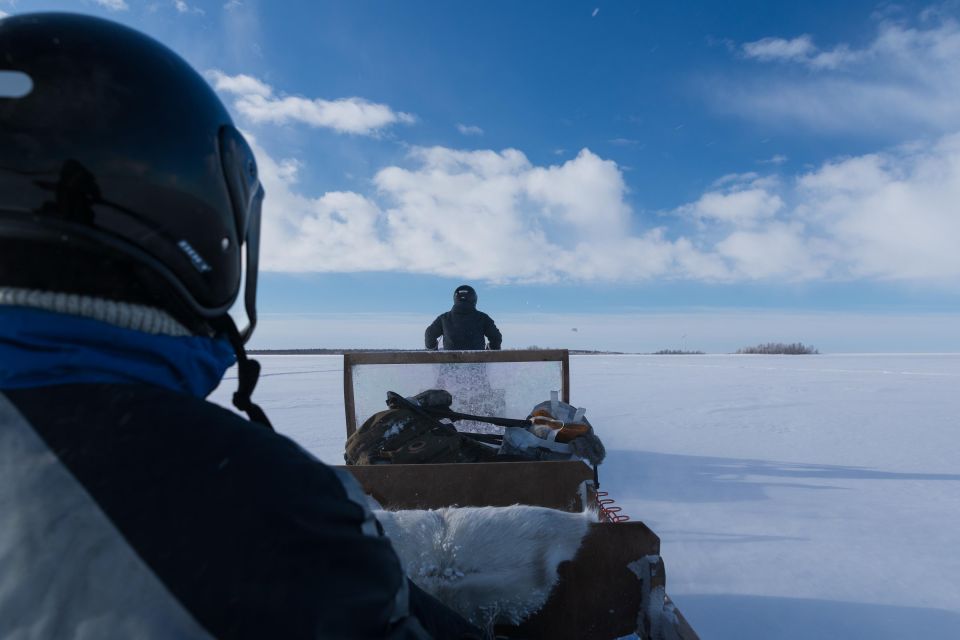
(248, 372)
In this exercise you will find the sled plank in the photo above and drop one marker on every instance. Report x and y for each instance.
(413, 357)
(556, 485)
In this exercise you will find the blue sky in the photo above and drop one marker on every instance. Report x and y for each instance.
(787, 171)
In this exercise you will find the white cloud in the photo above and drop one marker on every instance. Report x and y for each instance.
(586, 192)
(802, 50)
(777, 159)
(182, 7)
(737, 206)
(779, 49)
(495, 216)
(742, 200)
(892, 215)
(906, 76)
(884, 216)
(256, 101)
(778, 250)
(113, 5)
(232, 4)
(475, 214)
(469, 129)
(239, 84)
(3, 14)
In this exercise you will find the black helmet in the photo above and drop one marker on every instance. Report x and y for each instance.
(122, 175)
(112, 146)
(465, 294)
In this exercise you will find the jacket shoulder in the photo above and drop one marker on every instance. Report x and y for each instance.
(228, 514)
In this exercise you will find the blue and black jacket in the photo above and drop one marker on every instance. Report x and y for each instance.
(133, 508)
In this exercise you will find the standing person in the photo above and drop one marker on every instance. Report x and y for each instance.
(463, 327)
(129, 506)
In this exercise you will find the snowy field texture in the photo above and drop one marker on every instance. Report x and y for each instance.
(796, 497)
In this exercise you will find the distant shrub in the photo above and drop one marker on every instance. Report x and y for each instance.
(795, 349)
(677, 352)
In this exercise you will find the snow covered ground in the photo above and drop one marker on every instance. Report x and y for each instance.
(795, 496)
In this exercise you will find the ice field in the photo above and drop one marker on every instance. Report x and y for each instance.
(795, 496)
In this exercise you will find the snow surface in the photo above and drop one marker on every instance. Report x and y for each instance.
(795, 496)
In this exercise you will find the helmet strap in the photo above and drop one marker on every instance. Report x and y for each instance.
(248, 372)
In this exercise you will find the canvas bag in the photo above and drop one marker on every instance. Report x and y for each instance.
(403, 436)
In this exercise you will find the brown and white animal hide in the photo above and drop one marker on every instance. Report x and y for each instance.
(490, 564)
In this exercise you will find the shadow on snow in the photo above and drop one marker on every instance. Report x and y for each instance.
(685, 478)
(743, 617)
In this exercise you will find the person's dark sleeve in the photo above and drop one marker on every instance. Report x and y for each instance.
(248, 533)
(493, 334)
(433, 333)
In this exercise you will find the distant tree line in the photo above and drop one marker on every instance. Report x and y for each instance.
(795, 349)
(677, 352)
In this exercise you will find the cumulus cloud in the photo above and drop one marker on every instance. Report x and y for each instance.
(882, 216)
(776, 250)
(890, 215)
(469, 129)
(257, 102)
(496, 216)
(739, 199)
(907, 75)
(484, 214)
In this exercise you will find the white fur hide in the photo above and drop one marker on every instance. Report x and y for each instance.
(490, 564)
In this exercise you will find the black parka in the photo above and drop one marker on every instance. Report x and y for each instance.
(463, 328)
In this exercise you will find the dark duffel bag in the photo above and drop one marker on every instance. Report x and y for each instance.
(403, 436)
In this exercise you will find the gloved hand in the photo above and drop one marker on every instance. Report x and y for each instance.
(433, 399)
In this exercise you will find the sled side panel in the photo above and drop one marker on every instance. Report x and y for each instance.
(557, 485)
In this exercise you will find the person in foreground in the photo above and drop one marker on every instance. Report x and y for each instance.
(463, 327)
(131, 507)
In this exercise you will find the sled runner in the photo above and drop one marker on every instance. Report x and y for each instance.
(612, 581)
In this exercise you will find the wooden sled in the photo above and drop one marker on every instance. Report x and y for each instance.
(613, 587)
